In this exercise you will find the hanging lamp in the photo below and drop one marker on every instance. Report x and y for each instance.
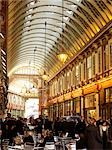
(62, 56)
(34, 88)
(45, 75)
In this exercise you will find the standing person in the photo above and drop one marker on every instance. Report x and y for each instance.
(80, 130)
(47, 124)
(19, 126)
(93, 138)
(104, 133)
(110, 136)
(99, 122)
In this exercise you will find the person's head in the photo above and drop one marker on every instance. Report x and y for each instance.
(104, 123)
(92, 121)
(49, 133)
(82, 118)
(8, 115)
(39, 135)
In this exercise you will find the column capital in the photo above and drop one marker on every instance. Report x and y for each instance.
(101, 42)
(70, 66)
(89, 51)
(85, 55)
(95, 46)
(80, 58)
(110, 31)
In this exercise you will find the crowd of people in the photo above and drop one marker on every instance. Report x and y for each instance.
(91, 135)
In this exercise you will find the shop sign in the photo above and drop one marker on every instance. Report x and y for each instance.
(60, 98)
(52, 101)
(106, 83)
(67, 96)
(77, 93)
(90, 89)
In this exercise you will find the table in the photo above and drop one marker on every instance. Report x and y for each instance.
(64, 140)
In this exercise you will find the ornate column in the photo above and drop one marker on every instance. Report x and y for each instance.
(3, 59)
(82, 106)
(97, 105)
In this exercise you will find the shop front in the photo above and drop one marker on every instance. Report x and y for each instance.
(90, 106)
(55, 111)
(67, 108)
(76, 106)
(106, 108)
(51, 112)
(60, 109)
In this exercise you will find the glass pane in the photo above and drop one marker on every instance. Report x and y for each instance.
(89, 62)
(99, 60)
(110, 92)
(107, 95)
(93, 64)
(89, 67)
(84, 70)
(106, 56)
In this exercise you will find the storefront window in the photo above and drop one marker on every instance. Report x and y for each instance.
(55, 114)
(108, 95)
(77, 105)
(67, 108)
(90, 101)
(60, 109)
(51, 112)
(89, 67)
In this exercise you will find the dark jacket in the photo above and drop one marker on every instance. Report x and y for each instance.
(93, 138)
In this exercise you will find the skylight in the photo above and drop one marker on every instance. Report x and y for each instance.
(66, 18)
(69, 12)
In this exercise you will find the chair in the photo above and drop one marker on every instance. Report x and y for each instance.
(50, 146)
(38, 148)
(28, 146)
(15, 147)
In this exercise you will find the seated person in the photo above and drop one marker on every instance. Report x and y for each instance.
(40, 140)
(28, 138)
(49, 137)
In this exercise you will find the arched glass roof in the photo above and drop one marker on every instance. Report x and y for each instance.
(82, 20)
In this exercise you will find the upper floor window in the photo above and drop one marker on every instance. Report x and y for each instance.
(110, 48)
(93, 65)
(84, 68)
(106, 57)
(77, 74)
(89, 67)
(68, 80)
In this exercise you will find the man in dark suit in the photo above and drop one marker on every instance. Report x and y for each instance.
(93, 138)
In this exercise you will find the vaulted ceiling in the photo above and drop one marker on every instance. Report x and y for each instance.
(81, 21)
